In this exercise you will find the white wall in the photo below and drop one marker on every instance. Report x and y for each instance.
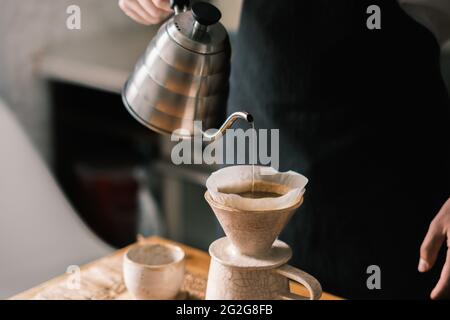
(26, 28)
(231, 11)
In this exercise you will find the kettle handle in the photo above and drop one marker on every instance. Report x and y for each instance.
(308, 281)
(179, 5)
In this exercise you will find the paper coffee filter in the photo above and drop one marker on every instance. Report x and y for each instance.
(225, 184)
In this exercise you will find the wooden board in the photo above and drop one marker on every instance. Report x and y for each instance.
(102, 280)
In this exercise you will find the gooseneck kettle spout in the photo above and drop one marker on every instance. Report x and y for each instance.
(228, 123)
(183, 77)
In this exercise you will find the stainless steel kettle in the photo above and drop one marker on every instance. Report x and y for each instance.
(183, 76)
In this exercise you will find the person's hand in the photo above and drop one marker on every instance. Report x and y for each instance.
(438, 232)
(146, 11)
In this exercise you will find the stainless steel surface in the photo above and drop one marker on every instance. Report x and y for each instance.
(180, 82)
(214, 40)
(228, 123)
(183, 76)
(185, 60)
(179, 6)
(198, 31)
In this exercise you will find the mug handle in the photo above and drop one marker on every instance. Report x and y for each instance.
(299, 276)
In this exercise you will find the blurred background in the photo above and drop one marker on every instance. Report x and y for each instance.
(62, 87)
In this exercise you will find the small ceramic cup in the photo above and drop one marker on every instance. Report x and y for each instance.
(154, 271)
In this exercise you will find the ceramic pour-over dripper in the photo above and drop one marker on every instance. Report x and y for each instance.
(252, 225)
(252, 233)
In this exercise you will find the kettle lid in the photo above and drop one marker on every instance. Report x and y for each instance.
(199, 30)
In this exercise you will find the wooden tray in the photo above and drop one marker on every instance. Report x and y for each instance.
(102, 279)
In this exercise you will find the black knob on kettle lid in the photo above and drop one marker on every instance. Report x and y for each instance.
(205, 13)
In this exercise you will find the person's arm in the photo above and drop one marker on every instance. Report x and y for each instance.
(433, 14)
(146, 12)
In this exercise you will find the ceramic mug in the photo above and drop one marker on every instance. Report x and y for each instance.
(154, 271)
(227, 282)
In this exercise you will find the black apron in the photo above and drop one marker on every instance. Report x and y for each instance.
(364, 114)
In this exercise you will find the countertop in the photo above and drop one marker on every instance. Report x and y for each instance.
(102, 279)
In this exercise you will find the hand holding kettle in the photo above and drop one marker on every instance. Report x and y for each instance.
(147, 12)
